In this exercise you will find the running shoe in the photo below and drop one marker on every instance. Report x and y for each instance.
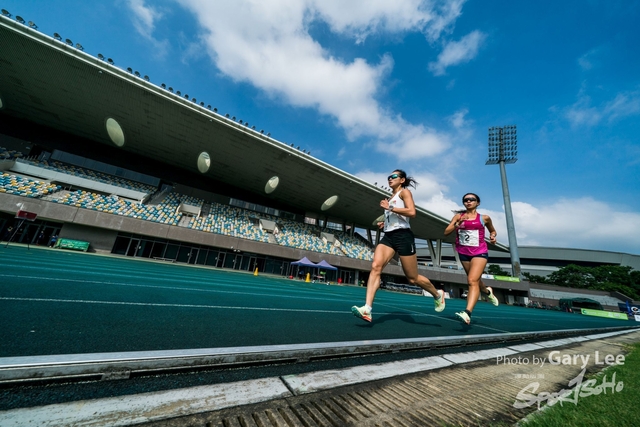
(439, 303)
(362, 313)
(462, 315)
(492, 298)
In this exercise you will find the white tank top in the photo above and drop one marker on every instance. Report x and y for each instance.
(392, 220)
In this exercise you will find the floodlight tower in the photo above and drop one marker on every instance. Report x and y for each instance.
(503, 148)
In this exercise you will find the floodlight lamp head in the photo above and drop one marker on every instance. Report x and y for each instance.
(33, 25)
(163, 86)
(101, 57)
(137, 74)
(79, 46)
(20, 19)
(110, 61)
(69, 42)
(57, 36)
(146, 77)
(129, 69)
(178, 93)
(201, 103)
(6, 13)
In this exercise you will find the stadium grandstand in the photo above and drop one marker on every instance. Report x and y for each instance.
(136, 170)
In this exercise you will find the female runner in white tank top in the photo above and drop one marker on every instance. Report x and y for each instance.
(399, 238)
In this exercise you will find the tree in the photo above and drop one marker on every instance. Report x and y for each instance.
(535, 278)
(622, 279)
(497, 271)
(572, 276)
(613, 274)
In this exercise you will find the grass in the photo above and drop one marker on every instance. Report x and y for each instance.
(617, 407)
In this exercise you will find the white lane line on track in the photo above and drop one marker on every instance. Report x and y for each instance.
(132, 285)
(144, 304)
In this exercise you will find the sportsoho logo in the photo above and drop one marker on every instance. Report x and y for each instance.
(577, 387)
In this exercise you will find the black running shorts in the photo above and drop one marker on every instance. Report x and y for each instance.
(402, 241)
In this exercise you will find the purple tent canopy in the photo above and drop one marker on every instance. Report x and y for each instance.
(305, 262)
(324, 264)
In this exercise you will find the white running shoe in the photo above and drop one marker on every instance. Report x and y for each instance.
(462, 315)
(492, 298)
(362, 313)
(439, 303)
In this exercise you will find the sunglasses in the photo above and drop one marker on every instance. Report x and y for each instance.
(393, 176)
(469, 199)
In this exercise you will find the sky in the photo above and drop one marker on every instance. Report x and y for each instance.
(370, 86)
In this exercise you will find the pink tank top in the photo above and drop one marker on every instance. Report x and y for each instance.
(470, 237)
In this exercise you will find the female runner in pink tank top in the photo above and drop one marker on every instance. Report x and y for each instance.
(472, 249)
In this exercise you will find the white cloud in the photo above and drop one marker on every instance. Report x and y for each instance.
(590, 59)
(360, 18)
(623, 105)
(458, 118)
(267, 43)
(458, 52)
(582, 113)
(585, 62)
(574, 223)
(144, 17)
(144, 20)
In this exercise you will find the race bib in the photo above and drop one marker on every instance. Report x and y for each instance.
(469, 237)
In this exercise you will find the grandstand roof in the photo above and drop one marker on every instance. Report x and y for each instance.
(53, 84)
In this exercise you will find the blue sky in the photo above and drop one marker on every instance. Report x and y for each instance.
(371, 86)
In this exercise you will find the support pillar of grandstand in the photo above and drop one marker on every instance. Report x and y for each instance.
(458, 262)
(436, 254)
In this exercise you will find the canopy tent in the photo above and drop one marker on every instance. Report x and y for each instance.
(325, 265)
(305, 263)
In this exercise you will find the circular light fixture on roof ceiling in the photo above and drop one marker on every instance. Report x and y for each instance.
(115, 131)
(204, 162)
(272, 184)
(329, 203)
